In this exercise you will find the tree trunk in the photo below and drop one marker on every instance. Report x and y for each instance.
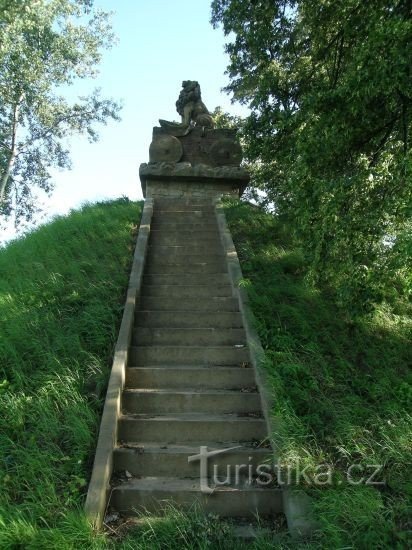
(12, 152)
(5, 177)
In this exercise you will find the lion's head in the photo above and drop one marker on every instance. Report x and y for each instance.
(190, 93)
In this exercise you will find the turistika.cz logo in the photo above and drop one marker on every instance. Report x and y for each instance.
(268, 474)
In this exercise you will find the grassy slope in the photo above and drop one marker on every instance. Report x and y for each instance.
(62, 291)
(61, 295)
(343, 387)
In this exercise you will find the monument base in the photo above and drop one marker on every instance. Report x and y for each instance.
(182, 180)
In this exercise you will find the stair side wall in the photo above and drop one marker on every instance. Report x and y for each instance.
(99, 486)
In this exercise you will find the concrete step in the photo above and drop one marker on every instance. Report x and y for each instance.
(150, 495)
(182, 210)
(187, 279)
(182, 204)
(188, 355)
(187, 291)
(191, 377)
(143, 459)
(156, 303)
(188, 336)
(185, 249)
(156, 267)
(184, 216)
(180, 214)
(186, 260)
(177, 227)
(186, 427)
(163, 238)
(162, 401)
(214, 254)
(190, 210)
(188, 319)
(186, 237)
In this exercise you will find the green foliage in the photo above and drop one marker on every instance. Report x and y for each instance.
(176, 529)
(359, 512)
(330, 92)
(61, 297)
(342, 385)
(192, 530)
(73, 531)
(45, 46)
(226, 120)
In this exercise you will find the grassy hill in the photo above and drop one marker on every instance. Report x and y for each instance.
(343, 389)
(61, 296)
(343, 386)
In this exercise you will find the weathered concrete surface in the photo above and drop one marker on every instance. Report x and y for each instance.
(158, 460)
(182, 180)
(189, 319)
(97, 494)
(188, 355)
(189, 336)
(185, 278)
(150, 494)
(191, 377)
(194, 237)
(217, 147)
(162, 401)
(187, 381)
(184, 427)
(188, 291)
(197, 226)
(299, 512)
(216, 303)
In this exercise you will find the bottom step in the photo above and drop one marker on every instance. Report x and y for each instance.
(152, 494)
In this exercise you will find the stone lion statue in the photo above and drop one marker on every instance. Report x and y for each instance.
(191, 108)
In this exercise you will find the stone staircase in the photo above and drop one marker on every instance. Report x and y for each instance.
(189, 381)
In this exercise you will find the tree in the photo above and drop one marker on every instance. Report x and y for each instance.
(330, 91)
(222, 119)
(45, 45)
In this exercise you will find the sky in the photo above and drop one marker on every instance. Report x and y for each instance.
(160, 44)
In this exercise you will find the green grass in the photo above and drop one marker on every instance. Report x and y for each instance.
(62, 290)
(343, 387)
(192, 530)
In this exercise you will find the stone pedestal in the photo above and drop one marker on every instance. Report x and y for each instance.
(205, 163)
